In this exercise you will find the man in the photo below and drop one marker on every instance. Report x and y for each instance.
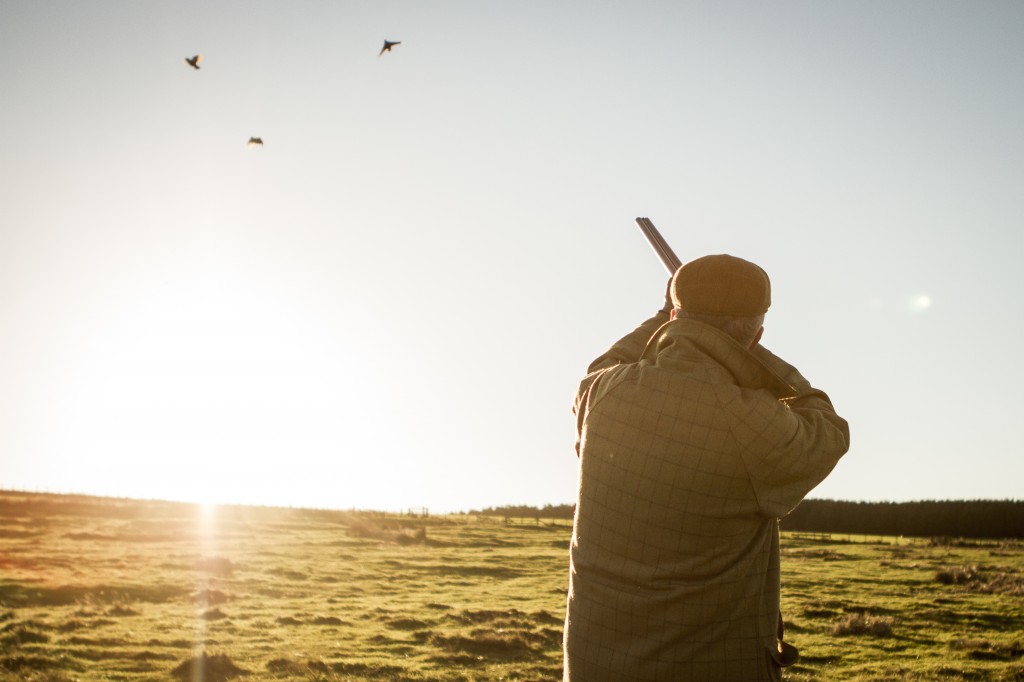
(693, 441)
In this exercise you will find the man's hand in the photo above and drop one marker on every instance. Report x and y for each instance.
(669, 305)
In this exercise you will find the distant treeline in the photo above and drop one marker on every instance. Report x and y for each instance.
(523, 511)
(953, 518)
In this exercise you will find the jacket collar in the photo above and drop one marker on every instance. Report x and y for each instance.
(682, 337)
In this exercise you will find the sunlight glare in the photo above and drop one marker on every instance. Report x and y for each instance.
(919, 303)
(201, 391)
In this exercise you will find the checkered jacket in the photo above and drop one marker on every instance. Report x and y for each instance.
(691, 448)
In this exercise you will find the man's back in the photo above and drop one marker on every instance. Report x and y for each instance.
(687, 459)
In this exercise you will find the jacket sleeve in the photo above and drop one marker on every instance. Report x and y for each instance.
(631, 346)
(796, 442)
(628, 349)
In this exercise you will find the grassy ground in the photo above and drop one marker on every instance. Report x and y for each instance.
(99, 589)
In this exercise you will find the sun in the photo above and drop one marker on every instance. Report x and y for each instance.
(201, 391)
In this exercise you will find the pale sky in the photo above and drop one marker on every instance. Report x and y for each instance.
(391, 303)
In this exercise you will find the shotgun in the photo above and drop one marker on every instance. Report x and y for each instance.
(661, 248)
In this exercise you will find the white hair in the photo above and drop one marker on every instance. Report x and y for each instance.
(743, 329)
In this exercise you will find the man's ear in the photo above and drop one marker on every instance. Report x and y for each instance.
(757, 337)
(672, 314)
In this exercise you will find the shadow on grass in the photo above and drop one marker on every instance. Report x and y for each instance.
(31, 666)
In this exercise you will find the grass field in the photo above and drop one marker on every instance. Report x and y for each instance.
(103, 589)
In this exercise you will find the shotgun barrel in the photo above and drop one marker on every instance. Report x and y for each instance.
(661, 248)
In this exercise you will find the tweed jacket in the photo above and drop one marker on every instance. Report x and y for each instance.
(691, 448)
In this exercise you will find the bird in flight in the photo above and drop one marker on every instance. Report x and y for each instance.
(254, 141)
(194, 61)
(388, 44)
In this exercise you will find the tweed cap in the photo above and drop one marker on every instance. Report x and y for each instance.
(722, 285)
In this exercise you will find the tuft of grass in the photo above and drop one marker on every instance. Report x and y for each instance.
(407, 537)
(487, 642)
(71, 625)
(381, 529)
(985, 650)
(407, 624)
(210, 597)
(983, 580)
(823, 554)
(214, 668)
(288, 574)
(34, 668)
(285, 666)
(863, 624)
(216, 565)
(508, 616)
(213, 614)
(24, 634)
(957, 575)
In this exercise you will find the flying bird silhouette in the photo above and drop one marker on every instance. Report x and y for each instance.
(388, 44)
(253, 141)
(194, 61)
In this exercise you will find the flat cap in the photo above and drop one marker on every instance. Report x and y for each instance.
(722, 285)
